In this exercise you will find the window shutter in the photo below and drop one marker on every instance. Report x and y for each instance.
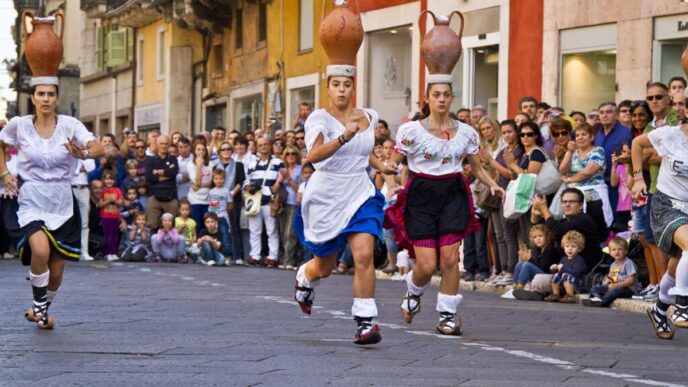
(99, 48)
(130, 44)
(117, 48)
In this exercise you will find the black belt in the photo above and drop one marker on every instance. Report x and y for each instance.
(80, 186)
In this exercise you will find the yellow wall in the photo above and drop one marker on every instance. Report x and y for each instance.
(151, 89)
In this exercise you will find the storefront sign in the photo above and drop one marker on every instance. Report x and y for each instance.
(682, 25)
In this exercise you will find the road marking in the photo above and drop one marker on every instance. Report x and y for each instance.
(145, 270)
(566, 365)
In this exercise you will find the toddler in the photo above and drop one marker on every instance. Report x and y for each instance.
(131, 207)
(168, 245)
(539, 258)
(569, 272)
(209, 241)
(220, 203)
(186, 226)
(132, 168)
(622, 278)
(142, 190)
(136, 240)
(109, 203)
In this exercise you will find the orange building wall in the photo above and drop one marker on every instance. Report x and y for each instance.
(525, 51)
(371, 5)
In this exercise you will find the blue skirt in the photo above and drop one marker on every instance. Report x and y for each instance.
(368, 219)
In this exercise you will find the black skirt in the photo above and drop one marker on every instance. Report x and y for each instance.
(436, 207)
(65, 241)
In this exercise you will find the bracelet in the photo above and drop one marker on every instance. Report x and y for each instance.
(2, 175)
(342, 140)
(637, 172)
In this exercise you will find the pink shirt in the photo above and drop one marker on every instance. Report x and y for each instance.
(624, 193)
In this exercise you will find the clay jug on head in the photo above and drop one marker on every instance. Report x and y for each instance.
(341, 34)
(43, 47)
(441, 46)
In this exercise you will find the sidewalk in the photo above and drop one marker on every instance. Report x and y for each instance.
(627, 304)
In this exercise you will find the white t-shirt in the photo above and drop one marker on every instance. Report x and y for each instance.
(199, 196)
(671, 143)
(432, 155)
(46, 167)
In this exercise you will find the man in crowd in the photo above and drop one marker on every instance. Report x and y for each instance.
(381, 130)
(152, 142)
(141, 157)
(528, 106)
(96, 241)
(678, 102)
(677, 84)
(611, 135)
(477, 113)
(183, 160)
(161, 174)
(300, 140)
(464, 115)
(625, 112)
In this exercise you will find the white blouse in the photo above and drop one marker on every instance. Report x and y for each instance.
(340, 184)
(46, 168)
(432, 155)
(201, 195)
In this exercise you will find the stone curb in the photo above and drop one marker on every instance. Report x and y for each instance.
(628, 305)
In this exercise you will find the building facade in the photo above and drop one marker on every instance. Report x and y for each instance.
(594, 53)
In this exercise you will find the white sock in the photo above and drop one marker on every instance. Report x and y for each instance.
(364, 307)
(681, 288)
(51, 295)
(412, 287)
(39, 280)
(667, 283)
(448, 303)
(302, 280)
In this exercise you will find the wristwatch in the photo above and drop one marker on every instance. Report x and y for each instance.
(85, 154)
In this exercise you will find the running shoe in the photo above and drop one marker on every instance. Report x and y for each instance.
(592, 301)
(507, 279)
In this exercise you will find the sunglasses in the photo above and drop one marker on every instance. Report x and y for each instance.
(299, 138)
(225, 149)
(278, 144)
(527, 134)
(657, 97)
(290, 154)
(570, 201)
(140, 146)
(625, 111)
(562, 133)
(593, 116)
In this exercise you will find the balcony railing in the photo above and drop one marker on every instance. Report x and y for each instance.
(114, 4)
(21, 5)
(93, 8)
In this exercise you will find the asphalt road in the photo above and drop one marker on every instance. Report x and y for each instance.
(145, 324)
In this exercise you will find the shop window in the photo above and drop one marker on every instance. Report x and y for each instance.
(248, 112)
(671, 60)
(587, 79)
(215, 116)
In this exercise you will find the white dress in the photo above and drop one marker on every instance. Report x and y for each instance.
(46, 167)
(340, 184)
(431, 155)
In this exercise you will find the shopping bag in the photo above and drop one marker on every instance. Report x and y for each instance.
(555, 207)
(548, 179)
(519, 195)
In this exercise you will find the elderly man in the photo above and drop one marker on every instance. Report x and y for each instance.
(678, 102)
(477, 113)
(152, 142)
(161, 174)
(574, 219)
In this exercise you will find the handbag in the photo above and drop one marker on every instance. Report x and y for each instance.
(486, 200)
(555, 207)
(276, 205)
(519, 195)
(252, 200)
(548, 178)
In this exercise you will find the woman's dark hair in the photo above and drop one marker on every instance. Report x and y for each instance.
(425, 111)
(561, 124)
(308, 165)
(429, 86)
(57, 89)
(384, 123)
(535, 128)
(206, 156)
(241, 140)
(642, 104)
(380, 141)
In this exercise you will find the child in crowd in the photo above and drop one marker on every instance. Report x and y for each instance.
(622, 279)
(131, 206)
(210, 241)
(142, 190)
(539, 258)
(132, 167)
(167, 244)
(186, 226)
(569, 272)
(620, 177)
(109, 203)
(307, 170)
(136, 240)
(220, 203)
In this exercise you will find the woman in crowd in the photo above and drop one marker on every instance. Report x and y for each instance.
(340, 142)
(669, 219)
(491, 143)
(289, 180)
(241, 154)
(278, 148)
(235, 175)
(251, 147)
(200, 175)
(641, 115)
(46, 224)
(176, 136)
(577, 117)
(561, 131)
(437, 204)
(583, 167)
(490, 140)
(506, 232)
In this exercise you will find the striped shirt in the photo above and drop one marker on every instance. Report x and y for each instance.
(258, 170)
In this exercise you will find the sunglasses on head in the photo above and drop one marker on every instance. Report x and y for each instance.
(657, 97)
(527, 134)
(560, 133)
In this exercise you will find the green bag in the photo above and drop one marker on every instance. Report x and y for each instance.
(519, 195)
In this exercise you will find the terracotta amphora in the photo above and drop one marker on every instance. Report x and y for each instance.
(441, 46)
(341, 34)
(43, 47)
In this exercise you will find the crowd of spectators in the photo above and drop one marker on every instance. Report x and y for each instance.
(183, 199)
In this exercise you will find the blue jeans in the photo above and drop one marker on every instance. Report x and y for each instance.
(525, 271)
(225, 232)
(209, 254)
(609, 295)
(197, 212)
(475, 249)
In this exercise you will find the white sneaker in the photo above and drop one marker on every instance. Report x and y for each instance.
(507, 279)
(289, 267)
(112, 258)
(210, 263)
(398, 277)
(86, 258)
(641, 295)
(281, 267)
(8, 255)
(595, 299)
(497, 280)
(239, 262)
